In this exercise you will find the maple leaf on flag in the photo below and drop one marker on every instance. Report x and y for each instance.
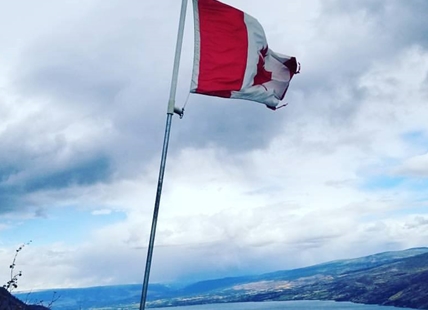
(262, 75)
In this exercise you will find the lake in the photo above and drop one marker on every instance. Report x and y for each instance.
(288, 305)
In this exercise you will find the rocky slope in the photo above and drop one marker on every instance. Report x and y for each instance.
(9, 302)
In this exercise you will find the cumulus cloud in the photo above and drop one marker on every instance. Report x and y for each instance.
(82, 112)
(415, 166)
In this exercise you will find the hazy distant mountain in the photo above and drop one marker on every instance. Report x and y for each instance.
(327, 269)
(391, 278)
(115, 296)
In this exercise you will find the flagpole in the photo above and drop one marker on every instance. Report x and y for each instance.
(170, 112)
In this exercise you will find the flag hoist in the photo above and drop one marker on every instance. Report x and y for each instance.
(231, 60)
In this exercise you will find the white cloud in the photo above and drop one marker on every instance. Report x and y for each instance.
(101, 212)
(246, 189)
(416, 166)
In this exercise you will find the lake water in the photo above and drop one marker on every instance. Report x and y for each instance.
(286, 305)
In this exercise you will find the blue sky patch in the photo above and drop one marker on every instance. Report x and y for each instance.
(382, 182)
(417, 138)
(69, 225)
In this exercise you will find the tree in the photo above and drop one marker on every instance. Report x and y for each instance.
(13, 282)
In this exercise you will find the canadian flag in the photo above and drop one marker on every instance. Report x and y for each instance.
(232, 58)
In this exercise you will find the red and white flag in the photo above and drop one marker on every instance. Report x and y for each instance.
(232, 58)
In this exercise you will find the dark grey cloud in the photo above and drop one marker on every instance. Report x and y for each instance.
(102, 82)
(78, 83)
(234, 125)
(416, 222)
(9, 201)
(425, 86)
(110, 65)
(95, 69)
(104, 68)
(15, 196)
(402, 23)
(6, 172)
(41, 213)
(349, 39)
(85, 173)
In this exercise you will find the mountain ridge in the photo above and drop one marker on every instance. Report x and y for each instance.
(395, 278)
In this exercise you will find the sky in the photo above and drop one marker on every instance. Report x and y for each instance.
(341, 172)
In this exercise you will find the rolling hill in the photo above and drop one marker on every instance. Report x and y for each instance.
(391, 278)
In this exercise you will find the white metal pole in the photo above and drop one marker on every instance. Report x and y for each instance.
(170, 112)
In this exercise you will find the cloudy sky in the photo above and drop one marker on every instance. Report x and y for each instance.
(341, 172)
